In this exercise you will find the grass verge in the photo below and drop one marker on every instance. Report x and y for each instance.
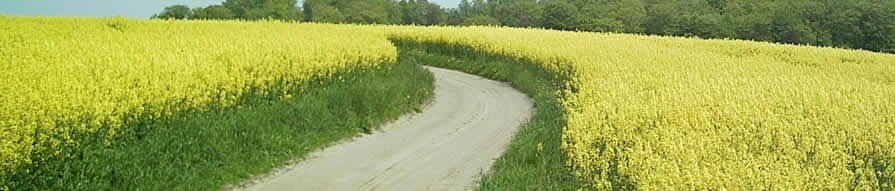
(207, 150)
(534, 159)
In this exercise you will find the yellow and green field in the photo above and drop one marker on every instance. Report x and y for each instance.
(661, 113)
(104, 72)
(75, 87)
(631, 112)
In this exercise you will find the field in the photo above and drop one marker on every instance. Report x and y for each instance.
(129, 104)
(660, 113)
(615, 111)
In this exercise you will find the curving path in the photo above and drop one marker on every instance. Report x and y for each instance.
(445, 147)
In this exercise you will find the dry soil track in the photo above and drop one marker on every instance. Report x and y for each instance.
(445, 147)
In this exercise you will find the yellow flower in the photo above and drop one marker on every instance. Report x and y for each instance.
(104, 76)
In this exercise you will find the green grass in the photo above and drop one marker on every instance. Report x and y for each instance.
(522, 166)
(208, 150)
(211, 149)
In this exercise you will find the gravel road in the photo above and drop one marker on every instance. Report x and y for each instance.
(447, 146)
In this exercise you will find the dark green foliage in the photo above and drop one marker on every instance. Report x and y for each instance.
(521, 13)
(684, 18)
(481, 20)
(419, 12)
(862, 24)
(322, 13)
(174, 12)
(241, 7)
(263, 9)
(560, 15)
(207, 150)
(237, 9)
(453, 17)
(212, 12)
(354, 11)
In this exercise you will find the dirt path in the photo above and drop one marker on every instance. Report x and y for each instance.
(446, 147)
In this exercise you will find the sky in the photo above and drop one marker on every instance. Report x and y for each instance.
(104, 8)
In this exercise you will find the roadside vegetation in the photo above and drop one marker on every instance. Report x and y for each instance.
(128, 104)
(534, 159)
(147, 105)
(664, 113)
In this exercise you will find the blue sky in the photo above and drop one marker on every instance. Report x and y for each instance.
(102, 8)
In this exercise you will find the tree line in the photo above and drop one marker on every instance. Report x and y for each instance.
(860, 24)
(236, 9)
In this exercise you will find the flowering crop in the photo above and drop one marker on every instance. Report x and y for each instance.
(642, 112)
(663, 113)
(64, 75)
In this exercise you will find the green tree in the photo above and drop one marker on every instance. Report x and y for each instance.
(366, 12)
(453, 17)
(479, 7)
(212, 12)
(596, 15)
(464, 8)
(878, 25)
(241, 7)
(791, 25)
(411, 13)
(420, 12)
(632, 13)
(684, 18)
(520, 13)
(481, 20)
(864, 24)
(175, 12)
(560, 14)
(433, 13)
(261, 9)
(323, 13)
